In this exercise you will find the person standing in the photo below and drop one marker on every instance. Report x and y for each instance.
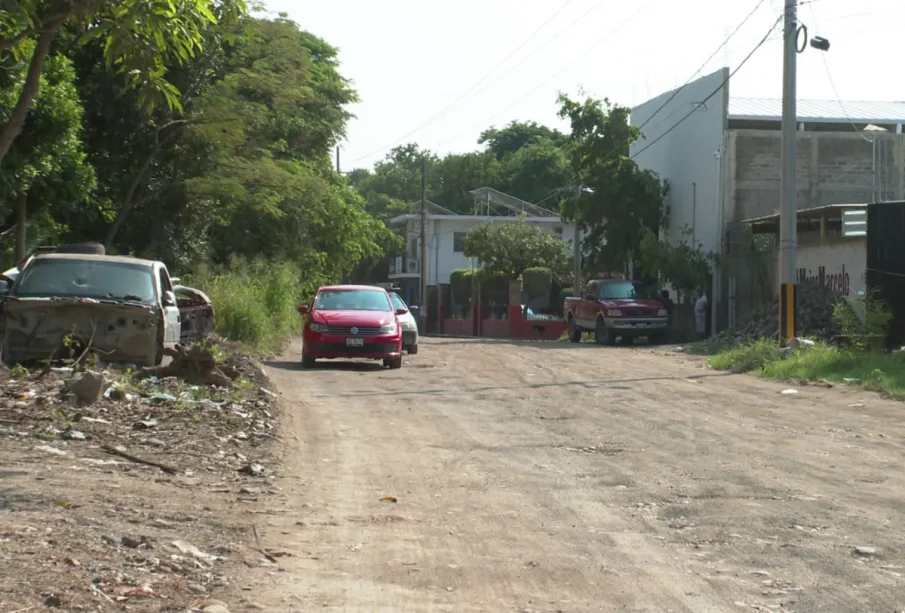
(700, 313)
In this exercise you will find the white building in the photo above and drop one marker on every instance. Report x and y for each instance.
(446, 231)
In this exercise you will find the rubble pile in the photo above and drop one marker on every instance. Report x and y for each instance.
(814, 314)
(124, 489)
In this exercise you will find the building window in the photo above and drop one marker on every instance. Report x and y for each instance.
(459, 242)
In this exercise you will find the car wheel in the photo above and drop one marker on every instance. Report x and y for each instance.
(393, 363)
(307, 361)
(656, 339)
(412, 349)
(627, 341)
(574, 332)
(602, 334)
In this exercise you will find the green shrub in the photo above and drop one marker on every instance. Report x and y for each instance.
(863, 320)
(460, 280)
(256, 303)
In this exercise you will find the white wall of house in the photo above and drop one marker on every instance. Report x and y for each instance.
(840, 264)
(444, 240)
(685, 156)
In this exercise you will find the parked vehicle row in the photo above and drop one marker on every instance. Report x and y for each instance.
(615, 309)
(73, 297)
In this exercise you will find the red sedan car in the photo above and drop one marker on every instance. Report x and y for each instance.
(352, 321)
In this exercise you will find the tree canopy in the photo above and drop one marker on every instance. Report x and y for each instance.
(508, 248)
(619, 200)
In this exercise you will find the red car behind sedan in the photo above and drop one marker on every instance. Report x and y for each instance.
(352, 321)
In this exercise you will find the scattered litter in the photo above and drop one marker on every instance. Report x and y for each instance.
(389, 499)
(189, 549)
(789, 392)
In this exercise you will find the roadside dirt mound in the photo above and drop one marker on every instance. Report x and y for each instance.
(125, 491)
(815, 319)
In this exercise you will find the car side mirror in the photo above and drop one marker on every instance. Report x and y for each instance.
(401, 311)
(169, 299)
(303, 309)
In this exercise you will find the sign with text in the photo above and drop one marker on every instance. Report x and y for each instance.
(840, 267)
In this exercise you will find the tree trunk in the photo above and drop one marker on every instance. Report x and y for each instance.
(21, 217)
(13, 127)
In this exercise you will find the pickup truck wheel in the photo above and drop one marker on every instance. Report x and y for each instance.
(412, 349)
(627, 341)
(574, 331)
(393, 363)
(602, 334)
(656, 339)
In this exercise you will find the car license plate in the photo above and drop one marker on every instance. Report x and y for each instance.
(355, 342)
(642, 324)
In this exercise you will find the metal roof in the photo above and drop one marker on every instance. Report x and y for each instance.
(818, 111)
(516, 205)
(431, 207)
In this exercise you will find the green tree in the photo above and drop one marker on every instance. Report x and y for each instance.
(622, 200)
(503, 142)
(141, 38)
(507, 248)
(46, 165)
(682, 265)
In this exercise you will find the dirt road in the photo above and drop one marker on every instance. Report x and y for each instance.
(549, 477)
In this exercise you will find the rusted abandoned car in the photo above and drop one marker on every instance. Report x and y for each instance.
(197, 310)
(122, 307)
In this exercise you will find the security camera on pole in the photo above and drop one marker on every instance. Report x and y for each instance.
(788, 215)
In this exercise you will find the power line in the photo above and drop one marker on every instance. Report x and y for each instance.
(558, 73)
(712, 94)
(704, 65)
(829, 75)
(462, 96)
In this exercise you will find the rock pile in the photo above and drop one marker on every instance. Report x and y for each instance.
(815, 318)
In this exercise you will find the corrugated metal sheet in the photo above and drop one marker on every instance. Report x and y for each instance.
(819, 110)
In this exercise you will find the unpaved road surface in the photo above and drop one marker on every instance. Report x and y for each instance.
(548, 477)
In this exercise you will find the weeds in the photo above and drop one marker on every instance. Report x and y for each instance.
(873, 370)
(256, 303)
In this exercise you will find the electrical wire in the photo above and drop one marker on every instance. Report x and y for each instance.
(552, 77)
(829, 74)
(704, 65)
(711, 95)
(456, 101)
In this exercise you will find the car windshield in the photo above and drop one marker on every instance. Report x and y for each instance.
(98, 279)
(625, 290)
(397, 301)
(352, 300)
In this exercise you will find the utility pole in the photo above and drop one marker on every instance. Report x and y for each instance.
(576, 254)
(423, 310)
(788, 215)
(337, 160)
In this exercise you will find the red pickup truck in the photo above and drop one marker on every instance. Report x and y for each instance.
(615, 309)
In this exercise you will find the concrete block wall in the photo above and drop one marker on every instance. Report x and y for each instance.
(832, 168)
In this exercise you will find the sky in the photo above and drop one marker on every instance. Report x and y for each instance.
(439, 72)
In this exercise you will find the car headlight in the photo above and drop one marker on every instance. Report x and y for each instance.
(661, 313)
(389, 329)
(614, 313)
(317, 327)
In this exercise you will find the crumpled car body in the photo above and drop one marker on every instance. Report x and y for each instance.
(123, 308)
(197, 312)
(54, 328)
